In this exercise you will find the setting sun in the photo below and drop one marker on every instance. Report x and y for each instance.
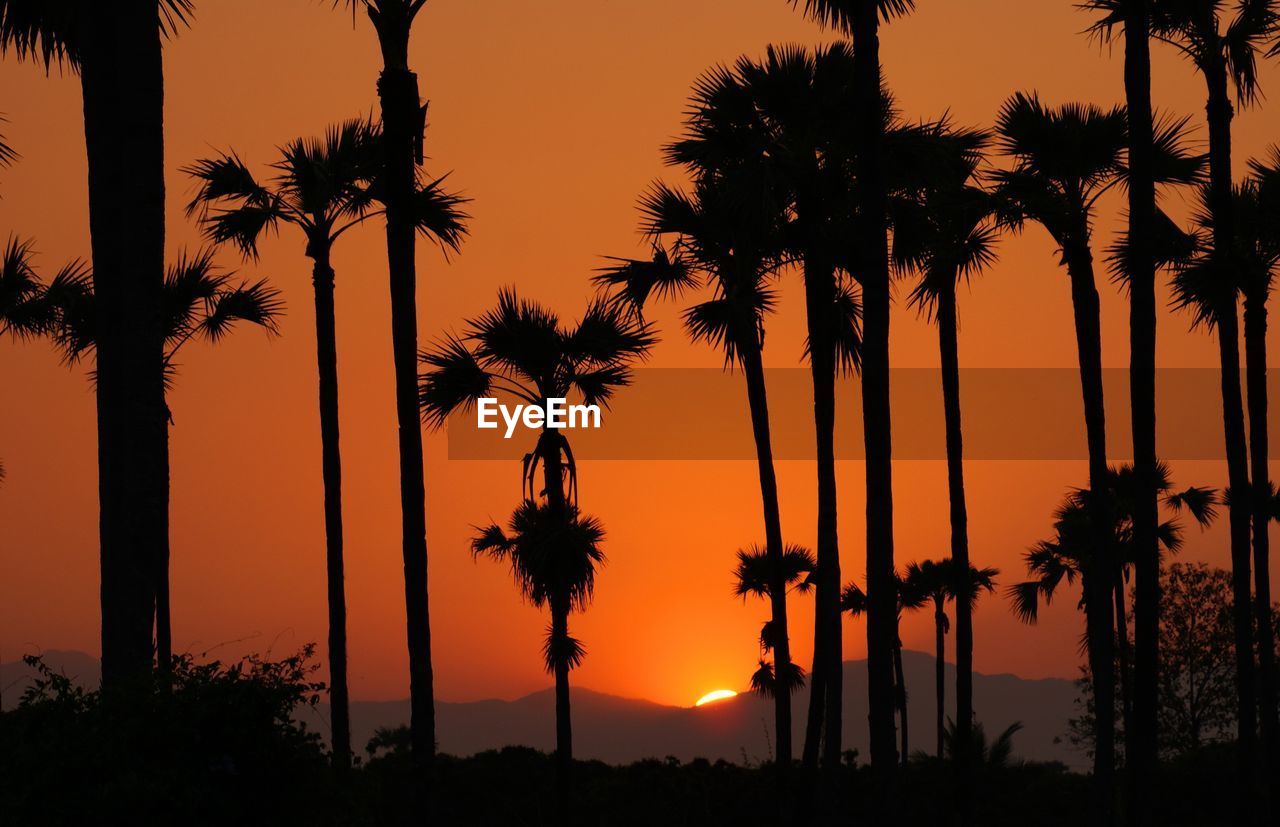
(715, 695)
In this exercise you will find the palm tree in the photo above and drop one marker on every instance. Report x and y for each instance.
(855, 601)
(861, 20)
(1080, 549)
(1201, 286)
(520, 348)
(1257, 222)
(1134, 16)
(323, 187)
(553, 552)
(116, 50)
(780, 123)
(1064, 159)
(948, 234)
(939, 581)
(732, 245)
(757, 575)
(404, 119)
(1224, 49)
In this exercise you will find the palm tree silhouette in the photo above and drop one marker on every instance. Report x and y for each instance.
(116, 50)
(732, 244)
(24, 309)
(1134, 16)
(520, 348)
(1256, 214)
(779, 124)
(323, 187)
(1224, 49)
(855, 601)
(1203, 287)
(553, 552)
(861, 20)
(939, 581)
(404, 119)
(948, 235)
(198, 302)
(1064, 159)
(1079, 549)
(757, 575)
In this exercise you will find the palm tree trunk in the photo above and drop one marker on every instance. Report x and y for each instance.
(1124, 667)
(402, 124)
(939, 671)
(825, 678)
(1097, 575)
(900, 679)
(122, 80)
(948, 346)
(1255, 347)
(1220, 195)
(872, 244)
(553, 484)
(164, 619)
(1141, 746)
(757, 399)
(331, 470)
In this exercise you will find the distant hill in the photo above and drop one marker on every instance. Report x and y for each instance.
(620, 730)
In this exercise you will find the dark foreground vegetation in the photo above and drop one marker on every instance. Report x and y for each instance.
(219, 744)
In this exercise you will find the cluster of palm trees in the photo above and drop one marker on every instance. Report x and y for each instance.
(796, 162)
(133, 316)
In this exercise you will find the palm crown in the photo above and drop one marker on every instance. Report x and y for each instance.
(325, 186)
(199, 301)
(53, 31)
(553, 557)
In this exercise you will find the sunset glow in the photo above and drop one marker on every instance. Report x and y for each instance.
(716, 695)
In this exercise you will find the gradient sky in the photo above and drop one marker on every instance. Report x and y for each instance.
(551, 116)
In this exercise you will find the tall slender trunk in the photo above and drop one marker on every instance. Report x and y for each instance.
(948, 346)
(402, 124)
(1097, 574)
(823, 726)
(872, 244)
(122, 80)
(553, 484)
(1255, 348)
(757, 399)
(1125, 668)
(1228, 327)
(939, 671)
(331, 470)
(900, 696)
(1140, 747)
(164, 615)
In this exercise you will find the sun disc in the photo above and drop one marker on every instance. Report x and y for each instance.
(715, 695)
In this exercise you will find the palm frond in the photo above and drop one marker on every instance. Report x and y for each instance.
(452, 380)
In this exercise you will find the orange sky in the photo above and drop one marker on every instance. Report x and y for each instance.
(552, 116)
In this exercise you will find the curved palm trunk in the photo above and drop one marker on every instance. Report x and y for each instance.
(122, 79)
(1220, 195)
(1255, 347)
(823, 725)
(948, 346)
(939, 670)
(757, 399)
(331, 469)
(1141, 745)
(402, 124)
(872, 244)
(1097, 575)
